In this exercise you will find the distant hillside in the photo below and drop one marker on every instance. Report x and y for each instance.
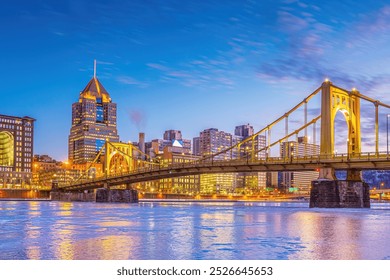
(375, 178)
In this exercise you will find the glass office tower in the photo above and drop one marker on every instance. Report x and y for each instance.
(93, 122)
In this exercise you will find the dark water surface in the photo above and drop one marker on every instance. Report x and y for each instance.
(191, 230)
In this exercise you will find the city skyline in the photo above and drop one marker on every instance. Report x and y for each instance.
(187, 66)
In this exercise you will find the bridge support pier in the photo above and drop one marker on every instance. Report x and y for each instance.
(98, 195)
(327, 173)
(339, 194)
(354, 175)
(109, 195)
(84, 196)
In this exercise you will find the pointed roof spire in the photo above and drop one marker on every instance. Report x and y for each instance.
(95, 89)
(94, 68)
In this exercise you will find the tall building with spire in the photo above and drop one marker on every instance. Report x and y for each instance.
(93, 122)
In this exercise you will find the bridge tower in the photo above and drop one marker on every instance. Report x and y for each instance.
(333, 100)
(118, 157)
(333, 193)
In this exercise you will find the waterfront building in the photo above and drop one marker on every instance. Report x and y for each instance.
(43, 171)
(218, 183)
(212, 141)
(185, 184)
(251, 182)
(94, 121)
(171, 149)
(16, 151)
(298, 181)
(44, 163)
(272, 180)
(47, 171)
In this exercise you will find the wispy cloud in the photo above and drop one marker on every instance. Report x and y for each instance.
(375, 23)
(127, 80)
(58, 33)
(157, 66)
(201, 72)
(312, 50)
(292, 23)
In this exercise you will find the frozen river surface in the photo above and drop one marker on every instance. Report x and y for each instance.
(185, 230)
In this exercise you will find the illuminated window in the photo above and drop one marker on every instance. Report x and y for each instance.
(99, 114)
(99, 144)
(6, 149)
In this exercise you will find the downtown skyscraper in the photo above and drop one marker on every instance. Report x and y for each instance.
(94, 121)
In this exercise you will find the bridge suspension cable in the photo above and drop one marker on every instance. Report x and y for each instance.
(102, 150)
(83, 174)
(295, 132)
(249, 147)
(131, 156)
(376, 103)
(267, 128)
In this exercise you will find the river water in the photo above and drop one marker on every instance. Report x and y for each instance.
(191, 230)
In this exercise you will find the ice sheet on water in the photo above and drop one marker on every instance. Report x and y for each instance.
(192, 231)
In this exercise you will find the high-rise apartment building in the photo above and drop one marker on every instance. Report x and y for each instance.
(298, 181)
(172, 135)
(16, 151)
(196, 146)
(212, 141)
(93, 122)
(251, 181)
(244, 130)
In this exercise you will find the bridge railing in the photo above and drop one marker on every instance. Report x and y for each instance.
(343, 157)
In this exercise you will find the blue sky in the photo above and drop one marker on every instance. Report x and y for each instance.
(188, 65)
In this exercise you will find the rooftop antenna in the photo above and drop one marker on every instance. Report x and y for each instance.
(94, 68)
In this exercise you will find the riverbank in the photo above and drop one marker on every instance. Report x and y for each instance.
(25, 199)
(16, 194)
(35, 195)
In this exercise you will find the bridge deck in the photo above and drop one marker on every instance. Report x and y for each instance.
(311, 163)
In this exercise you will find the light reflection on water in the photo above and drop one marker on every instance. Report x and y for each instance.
(220, 230)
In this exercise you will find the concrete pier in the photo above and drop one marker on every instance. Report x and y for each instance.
(98, 195)
(107, 195)
(57, 195)
(339, 194)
